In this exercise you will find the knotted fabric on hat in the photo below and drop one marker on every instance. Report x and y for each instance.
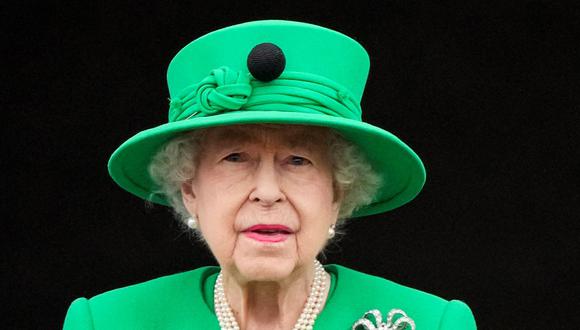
(228, 90)
(222, 89)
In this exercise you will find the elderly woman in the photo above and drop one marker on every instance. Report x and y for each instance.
(264, 157)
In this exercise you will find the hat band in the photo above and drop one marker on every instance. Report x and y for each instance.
(227, 90)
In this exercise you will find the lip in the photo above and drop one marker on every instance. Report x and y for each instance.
(268, 233)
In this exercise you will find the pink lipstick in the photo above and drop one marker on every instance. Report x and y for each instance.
(268, 233)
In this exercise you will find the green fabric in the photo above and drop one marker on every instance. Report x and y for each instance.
(321, 85)
(185, 301)
(225, 90)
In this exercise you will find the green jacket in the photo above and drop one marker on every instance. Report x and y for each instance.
(185, 301)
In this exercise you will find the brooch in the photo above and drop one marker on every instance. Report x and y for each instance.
(396, 320)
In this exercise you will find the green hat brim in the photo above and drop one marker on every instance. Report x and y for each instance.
(402, 171)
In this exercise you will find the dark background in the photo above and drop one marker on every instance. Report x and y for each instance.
(487, 93)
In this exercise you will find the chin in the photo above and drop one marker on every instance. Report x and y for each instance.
(265, 269)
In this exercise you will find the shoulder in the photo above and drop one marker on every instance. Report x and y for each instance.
(373, 287)
(364, 292)
(161, 286)
(156, 301)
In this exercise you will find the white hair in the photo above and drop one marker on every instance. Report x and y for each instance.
(355, 181)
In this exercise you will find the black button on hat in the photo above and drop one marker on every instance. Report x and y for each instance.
(266, 62)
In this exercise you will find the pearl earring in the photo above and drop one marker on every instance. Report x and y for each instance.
(331, 231)
(192, 222)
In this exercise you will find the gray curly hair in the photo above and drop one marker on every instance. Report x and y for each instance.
(354, 179)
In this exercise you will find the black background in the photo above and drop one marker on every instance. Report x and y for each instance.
(487, 93)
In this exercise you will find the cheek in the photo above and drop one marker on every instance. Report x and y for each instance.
(317, 210)
(315, 195)
(216, 212)
(216, 227)
(219, 194)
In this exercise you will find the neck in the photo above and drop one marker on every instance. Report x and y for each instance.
(270, 304)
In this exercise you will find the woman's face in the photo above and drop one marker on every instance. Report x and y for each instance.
(263, 197)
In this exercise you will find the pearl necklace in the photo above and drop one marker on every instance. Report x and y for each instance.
(309, 313)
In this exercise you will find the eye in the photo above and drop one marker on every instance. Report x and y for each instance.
(298, 161)
(235, 157)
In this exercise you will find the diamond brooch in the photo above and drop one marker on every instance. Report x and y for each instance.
(397, 319)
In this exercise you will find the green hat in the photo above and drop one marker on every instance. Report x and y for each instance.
(279, 72)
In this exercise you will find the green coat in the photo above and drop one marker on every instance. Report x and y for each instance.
(185, 301)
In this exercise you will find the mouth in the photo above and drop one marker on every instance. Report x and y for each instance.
(268, 233)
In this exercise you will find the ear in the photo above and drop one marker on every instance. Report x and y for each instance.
(338, 198)
(188, 197)
(336, 209)
(337, 192)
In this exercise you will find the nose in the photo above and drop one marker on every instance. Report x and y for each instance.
(267, 190)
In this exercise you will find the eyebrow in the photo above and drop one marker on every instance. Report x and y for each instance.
(300, 138)
(305, 139)
(231, 135)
